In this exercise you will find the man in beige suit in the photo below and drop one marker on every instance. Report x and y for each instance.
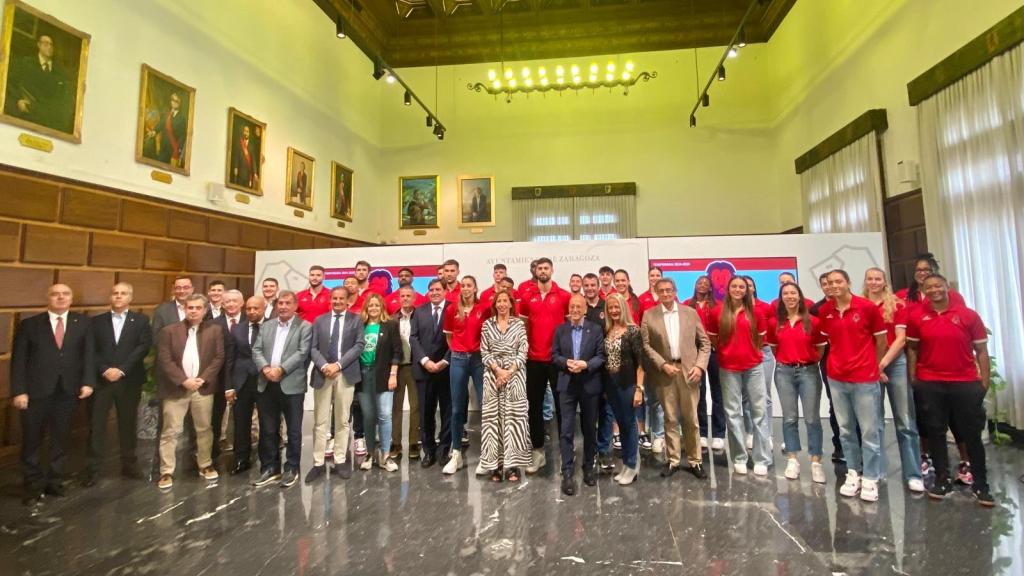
(677, 351)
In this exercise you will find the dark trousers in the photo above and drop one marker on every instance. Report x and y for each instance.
(51, 414)
(435, 392)
(220, 405)
(540, 375)
(124, 398)
(356, 410)
(960, 403)
(568, 400)
(273, 403)
(245, 402)
(717, 404)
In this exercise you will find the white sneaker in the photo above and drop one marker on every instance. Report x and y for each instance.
(760, 470)
(480, 470)
(360, 446)
(852, 484)
(619, 475)
(750, 441)
(869, 490)
(658, 446)
(454, 463)
(792, 469)
(539, 461)
(915, 485)
(628, 476)
(717, 444)
(817, 472)
(367, 464)
(740, 468)
(389, 464)
(703, 442)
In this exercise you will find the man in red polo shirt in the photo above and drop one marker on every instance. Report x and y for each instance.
(607, 276)
(450, 281)
(855, 331)
(544, 310)
(393, 301)
(648, 299)
(314, 301)
(499, 273)
(529, 286)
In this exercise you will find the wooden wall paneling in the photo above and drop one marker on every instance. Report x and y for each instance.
(28, 198)
(6, 332)
(81, 207)
(53, 245)
(165, 255)
(116, 251)
(280, 239)
(143, 218)
(319, 242)
(186, 225)
(246, 285)
(90, 287)
(147, 287)
(253, 236)
(302, 242)
(205, 258)
(24, 287)
(223, 231)
(239, 261)
(10, 240)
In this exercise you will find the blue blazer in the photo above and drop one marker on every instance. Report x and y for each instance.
(427, 340)
(243, 367)
(591, 350)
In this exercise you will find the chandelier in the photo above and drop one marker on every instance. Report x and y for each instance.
(560, 79)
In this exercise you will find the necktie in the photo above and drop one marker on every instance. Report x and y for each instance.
(58, 332)
(255, 334)
(233, 324)
(437, 316)
(332, 354)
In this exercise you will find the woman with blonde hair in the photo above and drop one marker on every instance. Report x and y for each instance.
(382, 353)
(894, 381)
(624, 385)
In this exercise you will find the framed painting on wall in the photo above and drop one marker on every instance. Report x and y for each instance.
(299, 187)
(164, 136)
(42, 72)
(476, 201)
(246, 136)
(342, 191)
(417, 201)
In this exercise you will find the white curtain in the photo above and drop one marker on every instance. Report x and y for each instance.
(843, 193)
(972, 159)
(583, 218)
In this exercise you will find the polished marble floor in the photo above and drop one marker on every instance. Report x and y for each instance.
(418, 521)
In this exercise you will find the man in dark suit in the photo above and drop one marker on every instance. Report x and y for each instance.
(121, 339)
(229, 317)
(245, 161)
(173, 129)
(240, 391)
(301, 189)
(269, 290)
(40, 90)
(479, 207)
(577, 353)
(51, 367)
(173, 311)
(430, 354)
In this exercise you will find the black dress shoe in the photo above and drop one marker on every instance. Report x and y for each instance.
(315, 473)
(698, 471)
(590, 477)
(55, 489)
(240, 467)
(604, 461)
(344, 470)
(669, 470)
(568, 486)
(32, 498)
(428, 460)
(267, 477)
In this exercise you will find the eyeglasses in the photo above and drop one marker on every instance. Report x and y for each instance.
(922, 270)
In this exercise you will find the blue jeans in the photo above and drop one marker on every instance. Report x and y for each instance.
(803, 384)
(620, 400)
(768, 368)
(858, 405)
(377, 408)
(463, 365)
(605, 418)
(549, 404)
(717, 410)
(901, 400)
(734, 386)
(652, 414)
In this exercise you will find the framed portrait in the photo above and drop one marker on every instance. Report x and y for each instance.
(299, 187)
(417, 201)
(42, 72)
(164, 136)
(246, 137)
(342, 192)
(476, 201)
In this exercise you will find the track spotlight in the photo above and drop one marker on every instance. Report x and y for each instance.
(693, 121)
(408, 98)
(378, 70)
(742, 40)
(705, 100)
(430, 121)
(390, 78)
(733, 52)
(339, 28)
(440, 136)
(721, 73)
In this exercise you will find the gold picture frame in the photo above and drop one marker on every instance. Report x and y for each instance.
(43, 98)
(476, 210)
(245, 171)
(343, 181)
(298, 186)
(418, 202)
(166, 111)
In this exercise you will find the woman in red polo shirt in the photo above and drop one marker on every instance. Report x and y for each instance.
(949, 362)
(894, 378)
(925, 265)
(462, 325)
(737, 331)
(793, 333)
(703, 301)
(767, 364)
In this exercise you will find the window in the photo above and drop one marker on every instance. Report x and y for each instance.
(575, 218)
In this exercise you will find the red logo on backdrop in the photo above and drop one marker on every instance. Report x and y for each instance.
(720, 272)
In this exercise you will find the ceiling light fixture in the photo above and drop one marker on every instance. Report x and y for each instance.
(382, 70)
(430, 121)
(567, 77)
(408, 98)
(734, 52)
(739, 40)
(706, 100)
(339, 28)
(721, 72)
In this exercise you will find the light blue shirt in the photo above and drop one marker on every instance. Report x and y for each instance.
(279, 339)
(577, 340)
(118, 320)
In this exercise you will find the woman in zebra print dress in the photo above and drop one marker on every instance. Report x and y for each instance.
(505, 435)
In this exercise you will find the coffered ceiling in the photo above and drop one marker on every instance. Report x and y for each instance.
(411, 33)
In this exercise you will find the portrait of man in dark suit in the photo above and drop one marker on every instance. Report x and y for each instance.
(341, 192)
(299, 186)
(44, 69)
(245, 152)
(476, 201)
(165, 122)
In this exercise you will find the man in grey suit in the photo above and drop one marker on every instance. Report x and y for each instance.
(281, 354)
(337, 344)
(173, 311)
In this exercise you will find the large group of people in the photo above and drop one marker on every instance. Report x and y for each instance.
(648, 372)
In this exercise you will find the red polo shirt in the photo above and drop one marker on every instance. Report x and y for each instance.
(525, 289)
(703, 310)
(647, 301)
(851, 339)
(465, 333)
(310, 307)
(792, 344)
(487, 296)
(955, 298)
(945, 342)
(543, 315)
(452, 296)
(899, 320)
(393, 302)
(602, 294)
(739, 353)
